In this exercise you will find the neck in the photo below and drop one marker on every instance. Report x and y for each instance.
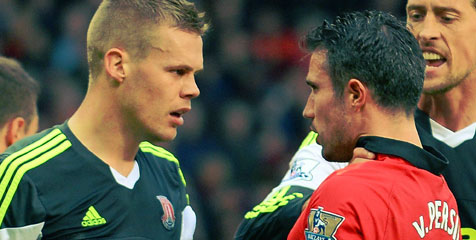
(100, 128)
(453, 109)
(393, 126)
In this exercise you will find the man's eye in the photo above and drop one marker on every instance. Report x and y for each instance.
(447, 19)
(179, 72)
(415, 16)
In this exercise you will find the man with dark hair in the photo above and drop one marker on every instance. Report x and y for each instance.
(99, 175)
(445, 119)
(18, 110)
(366, 74)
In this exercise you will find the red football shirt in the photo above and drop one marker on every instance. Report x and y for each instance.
(389, 198)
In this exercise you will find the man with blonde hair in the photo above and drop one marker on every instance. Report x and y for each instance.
(99, 175)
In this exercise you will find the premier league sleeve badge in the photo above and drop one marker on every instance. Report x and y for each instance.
(322, 225)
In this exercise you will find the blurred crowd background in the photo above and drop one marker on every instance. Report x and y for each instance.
(247, 123)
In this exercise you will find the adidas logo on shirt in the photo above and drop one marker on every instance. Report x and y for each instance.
(92, 218)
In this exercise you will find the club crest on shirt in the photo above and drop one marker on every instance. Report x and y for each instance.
(322, 225)
(302, 170)
(168, 219)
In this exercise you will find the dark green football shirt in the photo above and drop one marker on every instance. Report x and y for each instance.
(460, 149)
(51, 183)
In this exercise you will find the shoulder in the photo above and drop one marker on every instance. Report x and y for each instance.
(162, 157)
(309, 139)
(346, 196)
(345, 186)
(29, 154)
(42, 140)
(312, 154)
(33, 151)
(275, 216)
(308, 168)
(158, 152)
(310, 151)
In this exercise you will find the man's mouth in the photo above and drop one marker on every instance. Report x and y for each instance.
(180, 112)
(176, 114)
(433, 59)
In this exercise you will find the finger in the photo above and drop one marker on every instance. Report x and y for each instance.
(359, 160)
(360, 152)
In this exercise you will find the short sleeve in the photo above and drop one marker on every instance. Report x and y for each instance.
(22, 213)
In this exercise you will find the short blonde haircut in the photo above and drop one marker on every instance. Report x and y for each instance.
(127, 24)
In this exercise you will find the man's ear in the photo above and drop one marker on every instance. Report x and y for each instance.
(357, 93)
(15, 130)
(114, 61)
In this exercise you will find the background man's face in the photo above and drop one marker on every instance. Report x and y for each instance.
(446, 31)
